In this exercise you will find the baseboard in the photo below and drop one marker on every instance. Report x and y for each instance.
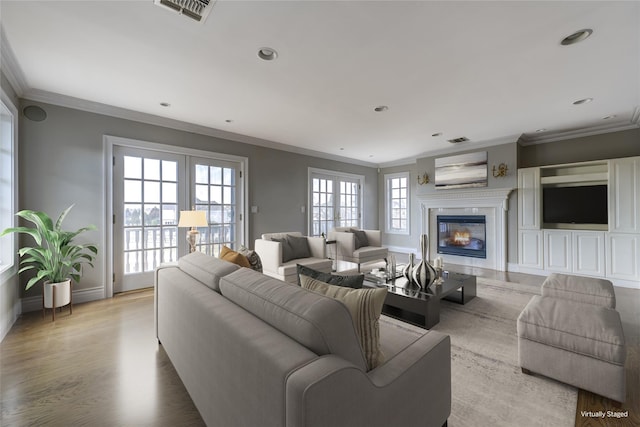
(513, 267)
(15, 312)
(542, 272)
(402, 250)
(79, 296)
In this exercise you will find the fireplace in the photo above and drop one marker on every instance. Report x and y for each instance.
(462, 235)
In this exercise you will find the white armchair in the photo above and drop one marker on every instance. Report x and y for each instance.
(349, 250)
(280, 262)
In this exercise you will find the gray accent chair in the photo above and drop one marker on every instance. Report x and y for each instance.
(271, 254)
(255, 351)
(348, 249)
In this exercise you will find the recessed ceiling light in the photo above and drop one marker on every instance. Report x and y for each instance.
(165, 104)
(541, 130)
(267, 53)
(436, 134)
(381, 108)
(609, 117)
(576, 37)
(582, 101)
(370, 155)
(228, 121)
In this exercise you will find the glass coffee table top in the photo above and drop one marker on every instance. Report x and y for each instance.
(451, 282)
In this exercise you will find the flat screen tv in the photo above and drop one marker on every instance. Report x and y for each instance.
(575, 205)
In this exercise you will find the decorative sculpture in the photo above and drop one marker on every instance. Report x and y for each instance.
(424, 274)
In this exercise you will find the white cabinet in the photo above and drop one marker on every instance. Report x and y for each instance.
(588, 253)
(624, 195)
(557, 251)
(608, 250)
(575, 252)
(529, 199)
(623, 256)
(530, 249)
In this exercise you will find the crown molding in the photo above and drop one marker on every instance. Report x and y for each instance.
(620, 125)
(10, 66)
(126, 114)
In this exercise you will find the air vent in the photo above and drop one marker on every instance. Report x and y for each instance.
(458, 140)
(198, 10)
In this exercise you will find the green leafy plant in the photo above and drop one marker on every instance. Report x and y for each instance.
(55, 256)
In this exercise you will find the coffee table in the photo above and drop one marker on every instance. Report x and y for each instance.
(410, 302)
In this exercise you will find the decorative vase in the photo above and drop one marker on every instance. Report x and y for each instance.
(423, 273)
(408, 269)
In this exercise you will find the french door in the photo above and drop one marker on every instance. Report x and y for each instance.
(150, 188)
(217, 192)
(149, 191)
(335, 201)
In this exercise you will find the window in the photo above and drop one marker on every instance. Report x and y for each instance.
(217, 193)
(397, 203)
(7, 181)
(335, 199)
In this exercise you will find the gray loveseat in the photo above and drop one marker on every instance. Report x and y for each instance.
(254, 351)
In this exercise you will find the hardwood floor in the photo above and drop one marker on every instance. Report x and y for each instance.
(100, 366)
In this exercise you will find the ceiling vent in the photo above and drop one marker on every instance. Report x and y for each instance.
(198, 10)
(458, 140)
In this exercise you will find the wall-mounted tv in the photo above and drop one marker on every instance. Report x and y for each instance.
(575, 205)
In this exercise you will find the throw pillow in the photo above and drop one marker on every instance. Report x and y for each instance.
(230, 255)
(352, 281)
(299, 246)
(365, 306)
(253, 258)
(361, 238)
(287, 251)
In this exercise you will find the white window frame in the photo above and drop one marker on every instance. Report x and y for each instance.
(324, 173)
(387, 191)
(109, 142)
(9, 193)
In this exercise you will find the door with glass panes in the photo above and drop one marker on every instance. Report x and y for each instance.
(150, 189)
(335, 202)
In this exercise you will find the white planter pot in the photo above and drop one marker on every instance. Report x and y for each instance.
(60, 293)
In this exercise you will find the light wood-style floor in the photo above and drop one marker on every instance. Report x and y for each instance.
(100, 366)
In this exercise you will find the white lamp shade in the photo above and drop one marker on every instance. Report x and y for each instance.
(192, 219)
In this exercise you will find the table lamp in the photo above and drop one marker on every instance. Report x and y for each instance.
(192, 219)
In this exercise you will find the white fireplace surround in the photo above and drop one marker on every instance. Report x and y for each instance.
(492, 203)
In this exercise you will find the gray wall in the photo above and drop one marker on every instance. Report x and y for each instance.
(61, 162)
(605, 146)
(506, 153)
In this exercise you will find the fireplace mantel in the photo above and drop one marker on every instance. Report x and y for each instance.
(482, 198)
(493, 203)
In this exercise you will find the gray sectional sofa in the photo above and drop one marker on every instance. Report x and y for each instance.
(254, 351)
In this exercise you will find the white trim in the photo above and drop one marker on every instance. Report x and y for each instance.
(109, 142)
(79, 296)
(10, 67)
(330, 173)
(403, 250)
(387, 204)
(621, 125)
(12, 269)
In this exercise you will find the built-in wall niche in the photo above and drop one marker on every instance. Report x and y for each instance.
(575, 196)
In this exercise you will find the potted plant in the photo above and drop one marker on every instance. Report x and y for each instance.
(55, 257)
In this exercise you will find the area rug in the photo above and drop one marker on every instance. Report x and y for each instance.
(487, 386)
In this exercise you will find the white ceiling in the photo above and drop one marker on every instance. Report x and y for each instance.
(490, 71)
